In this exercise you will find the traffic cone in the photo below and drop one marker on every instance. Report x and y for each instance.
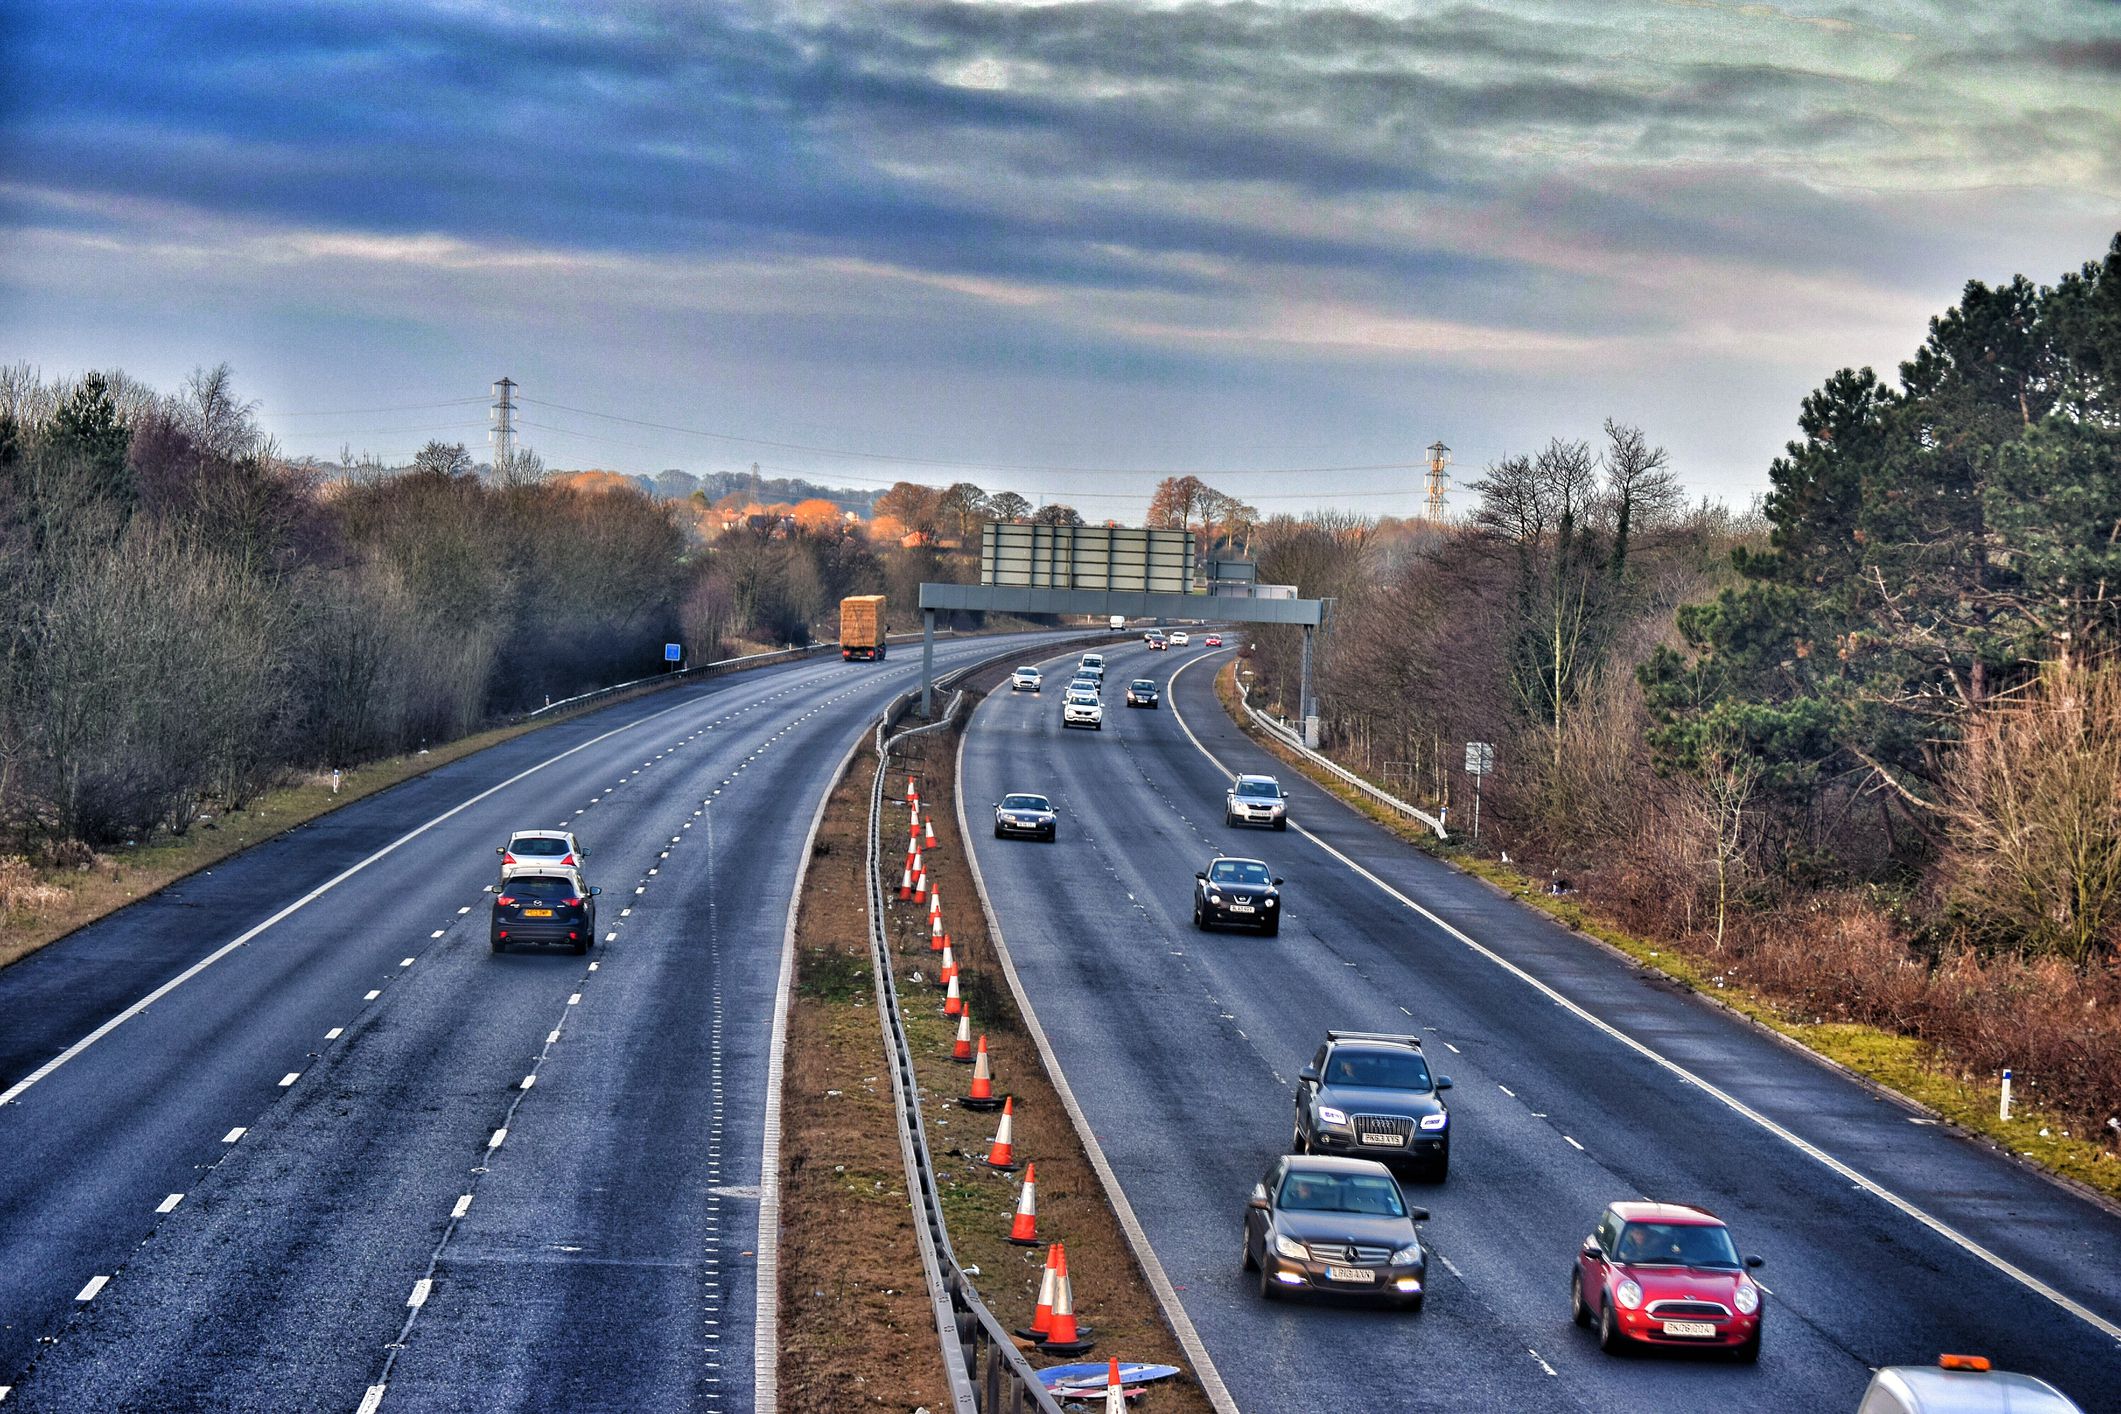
(936, 937)
(1115, 1396)
(928, 833)
(1042, 1313)
(935, 903)
(949, 972)
(913, 791)
(1000, 1153)
(962, 1051)
(1023, 1232)
(953, 999)
(905, 880)
(920, 879)
(1065, 1338)
(981, 1096)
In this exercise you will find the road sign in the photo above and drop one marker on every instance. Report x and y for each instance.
(673, 653)
(1480, 758)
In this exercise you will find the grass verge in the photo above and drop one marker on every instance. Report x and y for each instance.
(1901, 1064)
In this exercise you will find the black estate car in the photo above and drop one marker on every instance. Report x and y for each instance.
(1372, 1095)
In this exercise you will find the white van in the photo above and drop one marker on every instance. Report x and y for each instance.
(1960, 1384)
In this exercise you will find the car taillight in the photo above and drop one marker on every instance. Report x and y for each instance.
(571, 902)
(569, 860)
(505, 901)
(507, 858)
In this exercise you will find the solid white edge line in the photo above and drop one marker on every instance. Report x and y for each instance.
(1737, 1106)
(15, 1091)
(766, 1306)
(372, 1400)
(1210, 1378)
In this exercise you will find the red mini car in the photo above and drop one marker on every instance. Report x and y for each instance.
(1666, 1274)
(1213, 640)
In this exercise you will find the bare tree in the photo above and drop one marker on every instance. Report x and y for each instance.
(444, 459)
(1640, 486)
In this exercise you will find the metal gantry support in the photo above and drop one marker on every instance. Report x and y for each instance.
(1306, 700)
(927, 663)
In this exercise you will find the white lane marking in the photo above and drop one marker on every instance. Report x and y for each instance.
(498, 1136)
(95, 1284)
(15, 1091)
(465, 909)
(1450, 1266)
(1452, 1049)
(290, 1078)
(1543, 1364)
(463, 1206)
(406, 963)
(372, 1400)
(593, 966)
(436, 933)
(420, 1290)
(169, 1204)
(234, 1134)
(528, 1081)
(611, 937)
(1573, 1144)
(552, 1037)
(575, 1000)
(335, 1033)
(371, 996)
(1732, 1102)
(1507, 1091)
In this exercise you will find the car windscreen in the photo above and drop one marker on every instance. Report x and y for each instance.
(1265, 790)
(1024, 802)
(1027, 672)
(1082, 699)
(1380, 1070)
(1313, 1192)
(539, 887)
(536, 848)
(1676, 1245)
(1144, 685)
(1238, 871)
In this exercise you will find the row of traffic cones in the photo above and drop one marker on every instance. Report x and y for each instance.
(1053, 1325)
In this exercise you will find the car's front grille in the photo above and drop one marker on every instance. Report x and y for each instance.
(1349, 1253)
(1689, 1310)
(1398, 1125)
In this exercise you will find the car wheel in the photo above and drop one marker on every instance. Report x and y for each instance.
(1610, 1340)
(1749, 1353)
(1229, 820)
(1578, 1312)
(1052, 833)
(581, 946)
(1251, 1262)
(997, 832)
(1269, 1288)
(1282, 823)
(496, 942)
(1412, 1305)
(1439, 1170)
(1269, 929)
(1200, 920)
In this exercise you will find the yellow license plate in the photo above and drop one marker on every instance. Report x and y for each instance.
(537, 913)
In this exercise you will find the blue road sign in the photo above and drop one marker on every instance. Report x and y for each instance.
(672, 653)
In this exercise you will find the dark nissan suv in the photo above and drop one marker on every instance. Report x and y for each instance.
(544, 908)
(1371, 1096)
(1239, 891)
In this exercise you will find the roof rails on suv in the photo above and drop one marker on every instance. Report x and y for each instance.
(1414, 1041)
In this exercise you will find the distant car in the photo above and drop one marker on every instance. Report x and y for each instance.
(1025, 680)
(1237, 891)
(1024, 814)
(541, 849)
(1092, 663)
(1666, 1274)
(1256, 800)
(1178, 638)
(1082, 709)
(1085, 683)
(1370, 1095)
(550, 907)
(1960, 1384)
(1337, 1227)
(1213, 640)
(1142, 693)
(1158, 642)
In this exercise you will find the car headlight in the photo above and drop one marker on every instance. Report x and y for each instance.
(1214, 897)
(1747, 1300)
(1328, 1115)
(1409, 1253)
(1434, 1121)
(1293, 1250)
(1628, 1294)
(1269, 902)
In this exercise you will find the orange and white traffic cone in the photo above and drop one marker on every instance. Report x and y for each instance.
(928, 833)
(1065, 1338)
(905, 880)
(1042, 1313)
(920, 879)
(981, 1096)
(1001, 1153)
(935, 902)
(949, 972)
(913, 791)
(1115, 1393)
(962, 1051)
(937, 939)
(1023, 1232)
(953, 999)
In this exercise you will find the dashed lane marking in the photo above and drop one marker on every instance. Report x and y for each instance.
(463, 1206)
(335, 1033)
(371, 996)
(169, 1204)
(420, 1290)
(499, 1136)
(1573, 1144)
(234, 1134)
(95, 1284)
(290, 1078)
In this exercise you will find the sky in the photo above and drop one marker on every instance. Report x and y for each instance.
(1060, 248)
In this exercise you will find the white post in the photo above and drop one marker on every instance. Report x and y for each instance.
(2006, 1105)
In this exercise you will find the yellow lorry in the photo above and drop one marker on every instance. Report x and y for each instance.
(862, 627)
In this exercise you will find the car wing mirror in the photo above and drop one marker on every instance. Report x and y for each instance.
(1592, 1249)
(1259, 1197)
(594, 891)
(1277, 881)
(1420, 1215)
(1201, 874)
(1309, 1072)
(1443, 1082)
(1756, 1261)
(500, 849)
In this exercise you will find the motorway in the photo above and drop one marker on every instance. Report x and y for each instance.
(358, 1161)
(1579, 1080)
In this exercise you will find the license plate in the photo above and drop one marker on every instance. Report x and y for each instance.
(1361, 1274)
(1242, 908)
(537, 913)
(1693, 1328)
(1384, 1139)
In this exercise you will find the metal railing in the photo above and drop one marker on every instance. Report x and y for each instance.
(1290, 738)
(986, 1372)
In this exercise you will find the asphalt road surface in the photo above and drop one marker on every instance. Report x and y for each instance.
(1579, 1080)
(360, 1152)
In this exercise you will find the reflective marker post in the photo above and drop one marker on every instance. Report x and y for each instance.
(2004, 1110)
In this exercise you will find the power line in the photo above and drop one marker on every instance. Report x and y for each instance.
(363, 412)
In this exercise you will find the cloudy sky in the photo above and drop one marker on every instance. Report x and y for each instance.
(1060, 248)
